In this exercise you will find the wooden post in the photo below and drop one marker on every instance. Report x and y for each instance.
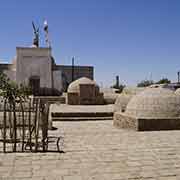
(10, 121)
(37, 124)
(44, 124)
(30, 125)
(23, 124)
(15, 126)
(4, 128)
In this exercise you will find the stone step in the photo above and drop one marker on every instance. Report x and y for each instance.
(81, 118)
(81, 114)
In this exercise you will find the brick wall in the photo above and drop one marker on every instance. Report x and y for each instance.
(79, 71)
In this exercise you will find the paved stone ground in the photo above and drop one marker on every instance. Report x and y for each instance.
(80, 108)
(95, 150)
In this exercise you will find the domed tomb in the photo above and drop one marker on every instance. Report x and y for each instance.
(110, 95)
(152, 109)
(123, 98)
(133, 90)
(74, 86)
(177, 91)
(154, 103)
(84, 91)
(121, 102)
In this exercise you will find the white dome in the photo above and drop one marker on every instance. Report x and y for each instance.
(154, 103)
(177, 91)
(121, 102)
(133, 90)
(74, 86)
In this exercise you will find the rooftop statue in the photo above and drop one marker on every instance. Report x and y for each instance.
(36, 35)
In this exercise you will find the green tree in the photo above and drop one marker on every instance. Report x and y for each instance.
(163, 81)
(10, 90)
(145, 83)
(12, 94)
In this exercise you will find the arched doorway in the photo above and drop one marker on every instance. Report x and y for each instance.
(34, 83)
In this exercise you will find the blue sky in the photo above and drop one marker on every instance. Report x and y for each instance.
(135, 39)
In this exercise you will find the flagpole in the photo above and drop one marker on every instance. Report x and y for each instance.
(47, 34)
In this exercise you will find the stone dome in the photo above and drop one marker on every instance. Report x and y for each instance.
(133, 90)
(110, 98)
(74, 86)
(157, 85)
(154, 103)
(121, 102)
(177, 91)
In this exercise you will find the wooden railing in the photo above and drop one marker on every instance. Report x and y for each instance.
(24, 126)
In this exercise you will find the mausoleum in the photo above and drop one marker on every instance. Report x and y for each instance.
(151, 109)
(84, 91)
(177, 91)
(35, 66)
(121, 102)
(123, 99)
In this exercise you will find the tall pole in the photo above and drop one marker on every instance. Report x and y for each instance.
(117, 81)
(178, 73)
(46, 29)
(72, 69)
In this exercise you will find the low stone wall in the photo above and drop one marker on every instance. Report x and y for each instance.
(73, 99)
(99, 99)
(158, 124)
(121, 102)
(121, 120)
(52, 99)
(110, 98)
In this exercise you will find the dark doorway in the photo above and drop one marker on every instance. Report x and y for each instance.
(87, 94)
(34, 83)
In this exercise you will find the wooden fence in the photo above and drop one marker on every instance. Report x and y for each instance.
(24, 126)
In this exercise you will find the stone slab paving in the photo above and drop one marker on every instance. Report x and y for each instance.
(80, 108)
(95, 150)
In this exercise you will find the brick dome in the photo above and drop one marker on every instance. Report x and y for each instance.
(154, 103)
(121, 102)
(133, 90)
(177, 91)
(74, 86)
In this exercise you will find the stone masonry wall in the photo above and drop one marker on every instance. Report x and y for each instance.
(34, 62)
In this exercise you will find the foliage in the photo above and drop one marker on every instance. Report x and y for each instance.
(24, 91)
(145, 83)
(163, 81)
(10, 90)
